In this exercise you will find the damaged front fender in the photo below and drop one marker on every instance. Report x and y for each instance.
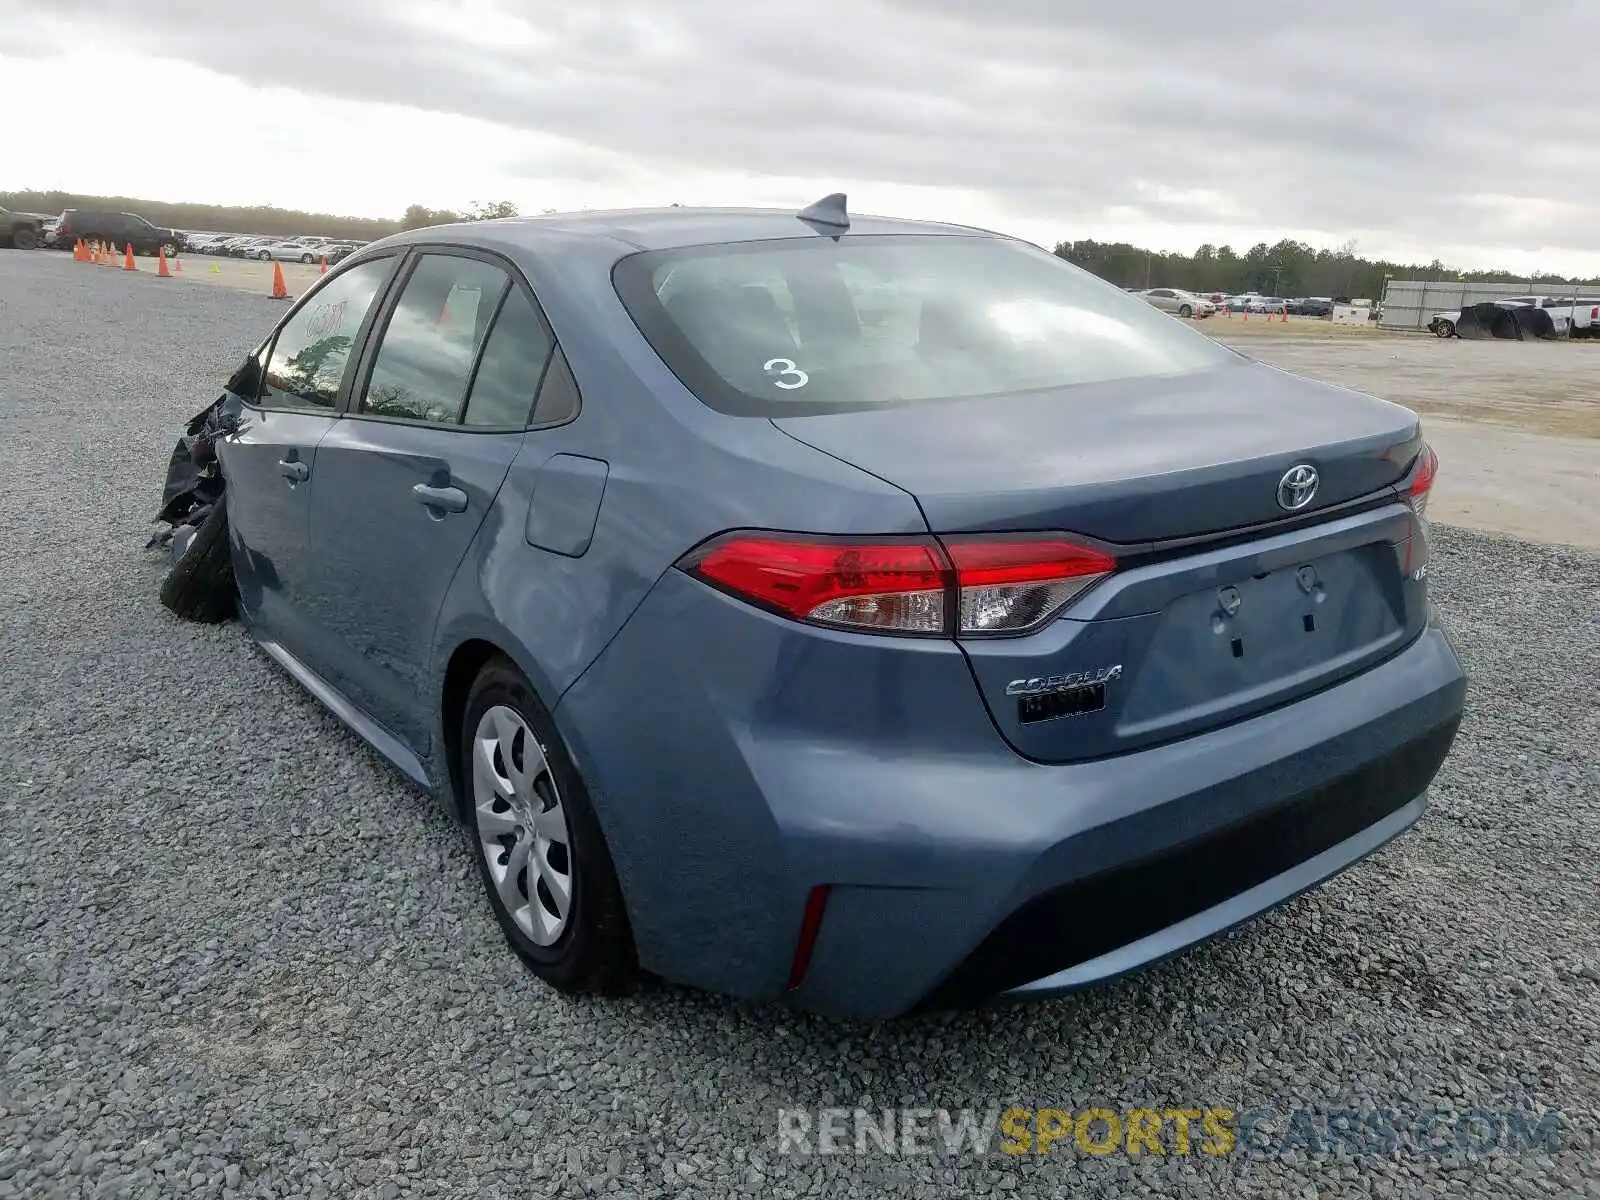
(194, 475)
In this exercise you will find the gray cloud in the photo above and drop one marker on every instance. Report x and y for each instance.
(1363, 116)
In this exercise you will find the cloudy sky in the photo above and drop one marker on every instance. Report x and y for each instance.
(1464, 129)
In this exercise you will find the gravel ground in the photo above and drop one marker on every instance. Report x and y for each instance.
(239, 957)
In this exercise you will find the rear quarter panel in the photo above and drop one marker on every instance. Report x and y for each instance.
(676, 474)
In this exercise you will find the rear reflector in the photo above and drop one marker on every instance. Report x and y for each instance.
(979, 585)
(810, 926)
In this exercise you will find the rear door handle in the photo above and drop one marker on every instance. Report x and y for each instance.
(293, 470)
(450, 499)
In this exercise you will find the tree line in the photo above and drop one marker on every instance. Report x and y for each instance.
(208, 218)
(1288, 268)
(261, 219)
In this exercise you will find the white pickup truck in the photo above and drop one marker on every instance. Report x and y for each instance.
(1576, 316)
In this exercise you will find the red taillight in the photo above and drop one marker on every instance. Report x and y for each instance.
(1012, 584)
(894, 586)
(1422, 479)
(973, 585)
(1422, 476)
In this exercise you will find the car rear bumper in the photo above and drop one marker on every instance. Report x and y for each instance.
(737, 762)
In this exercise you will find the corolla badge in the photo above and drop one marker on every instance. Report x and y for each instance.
(1042, 685)
(1297, 487)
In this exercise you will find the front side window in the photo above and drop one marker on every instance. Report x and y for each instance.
(815, 325)
(312, 350)
(425, 359)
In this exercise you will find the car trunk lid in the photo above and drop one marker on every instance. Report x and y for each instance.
(1224, 603)
(1132, 462)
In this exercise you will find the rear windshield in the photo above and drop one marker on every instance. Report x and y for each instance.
(809, 325)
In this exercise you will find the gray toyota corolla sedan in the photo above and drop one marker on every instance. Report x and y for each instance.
(869, 613)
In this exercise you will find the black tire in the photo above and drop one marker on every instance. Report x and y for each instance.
(264, 255)
(1185, 312)
(25, 238)
(305, 258)
(594, 953)
(200, 585)
(1444, 329)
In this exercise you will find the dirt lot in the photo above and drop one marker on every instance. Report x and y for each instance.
(1537, 387)
(1516, 424)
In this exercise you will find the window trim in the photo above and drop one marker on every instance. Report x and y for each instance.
(359, 342)
(412, 253)
(369, 351)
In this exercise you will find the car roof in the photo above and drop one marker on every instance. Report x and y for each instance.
(668, 228)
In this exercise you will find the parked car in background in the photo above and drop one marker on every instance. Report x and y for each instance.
(1030, 640)
(246, 247)
(119, 229)
(203, 243)
(1255, 302)
(1311, 306)
(1178, 302)
(304, 252)
(21, 231)
(1577, 316)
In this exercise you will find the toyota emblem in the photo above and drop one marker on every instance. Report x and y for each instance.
(1297, 487)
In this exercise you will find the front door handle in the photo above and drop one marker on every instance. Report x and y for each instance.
(293, 470)
(449, 499)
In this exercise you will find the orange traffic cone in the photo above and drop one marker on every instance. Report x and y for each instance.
(127, 263)
(177, 265)
(77, 250)
(161, 263)
(324, 270)
(279, 292)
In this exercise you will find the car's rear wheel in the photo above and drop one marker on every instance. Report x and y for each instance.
(170, 249)
(1185, 311)
(540, 852)
(1443, 329)
(200, 585)
(24, 238)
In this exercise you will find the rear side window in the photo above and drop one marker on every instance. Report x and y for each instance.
(805, 325)
(424, 361)
(312, 350)
(513, 363)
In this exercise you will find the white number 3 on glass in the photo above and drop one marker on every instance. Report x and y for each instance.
(792, 376)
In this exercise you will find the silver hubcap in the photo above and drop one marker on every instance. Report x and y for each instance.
(522, 827)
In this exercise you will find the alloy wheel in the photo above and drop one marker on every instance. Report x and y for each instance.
(522, 825)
